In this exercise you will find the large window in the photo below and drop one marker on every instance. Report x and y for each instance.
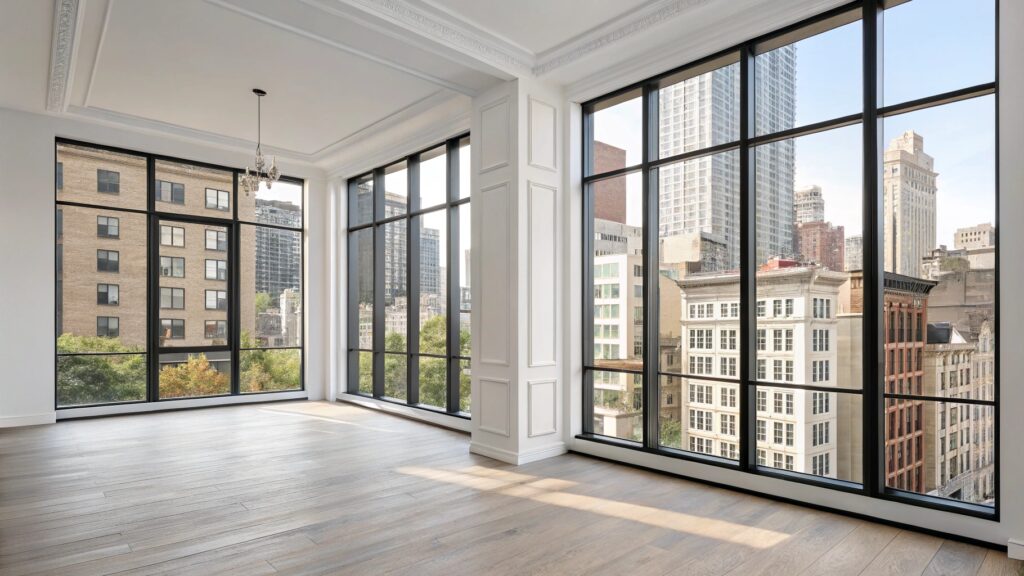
(779, 280)
(409, 304)
(163, 290)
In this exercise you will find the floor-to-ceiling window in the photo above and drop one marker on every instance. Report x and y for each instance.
(790, 256)
(409, 297)
(171, 281)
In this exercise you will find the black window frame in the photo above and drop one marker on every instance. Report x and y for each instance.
(230, 221)
(870, 13)
(411, 216)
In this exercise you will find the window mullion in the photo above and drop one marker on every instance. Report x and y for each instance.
(651, 388)
(412, 278)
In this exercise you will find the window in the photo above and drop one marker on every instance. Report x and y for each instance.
(728, 397)
(216, 330)
(216, 269)
(172, 236)
(218, 199)
(727, 424)
(172, 267)
(172, 329)
(108, 326)
(107, 181)
(762, 431)
(423, 218)
(216, 300)
(60, 176)
(217, 240)
(171, 192)
(804, 286)
(700, 394)
(701, 420)
(172, 298)
(107, 294)
(108, 261)
(108, 227)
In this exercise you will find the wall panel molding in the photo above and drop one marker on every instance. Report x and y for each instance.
(495, 134)
(495, 294)
(542, 138)
(495, 406)
(542, 399)
(542, 274)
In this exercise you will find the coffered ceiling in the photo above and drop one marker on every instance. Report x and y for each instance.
(338, 72)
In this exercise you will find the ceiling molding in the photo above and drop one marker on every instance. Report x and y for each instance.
(650, 15)
(440, 82)
(452, 32)
(62, 52)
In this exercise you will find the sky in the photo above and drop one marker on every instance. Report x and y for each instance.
(930, 47)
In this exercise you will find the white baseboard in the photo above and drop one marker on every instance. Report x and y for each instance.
(28, 420)
(1015, 549)
(438, 418)
(518, 458)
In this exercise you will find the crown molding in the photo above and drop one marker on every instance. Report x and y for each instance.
(66, 24)
(648, 16)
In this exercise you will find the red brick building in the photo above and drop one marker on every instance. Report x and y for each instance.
(821, 243)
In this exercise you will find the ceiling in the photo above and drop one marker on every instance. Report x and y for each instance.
(338, 72)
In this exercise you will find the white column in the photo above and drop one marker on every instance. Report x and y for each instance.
(516, 273)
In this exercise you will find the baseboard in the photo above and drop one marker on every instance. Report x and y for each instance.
(1015, 549)
(421, 414)
(518, 458)
(29, 420)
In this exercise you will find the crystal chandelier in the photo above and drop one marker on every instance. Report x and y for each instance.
(266, 167)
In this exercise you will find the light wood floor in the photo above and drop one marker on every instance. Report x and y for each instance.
(317, 488)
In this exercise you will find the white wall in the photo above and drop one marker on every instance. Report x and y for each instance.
(1009, 529)
(27, 253)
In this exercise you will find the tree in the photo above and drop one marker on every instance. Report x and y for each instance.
(262, 302)
(99, 371)
(196, 377)
(671, 433)
(268, 369)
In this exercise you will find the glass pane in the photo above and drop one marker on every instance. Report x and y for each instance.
(817, 433)
(100, 311)
(270, 370)
(700, 416)
(271, 282)
(280, 205)
(941, 449)
(361, 286)
(618, 404)
(100, 379)
(618, 272)
(360, 210)
(465, 392)
(396, 190)
(433, 236)
(190, 375)
(194, 308)
(396, 376)
(699, 112)
(465, 339)
(365, 372)
(94, 176)
(617, 134)
(808, 323)
(196, 190)
(812, 80)
(433, 382)
(464, 254)
(396, 282)
(433, 177)
(699, 239)
(465, 168)
(925, 36)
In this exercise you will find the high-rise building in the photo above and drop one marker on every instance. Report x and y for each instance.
(609, 195)
(854, 253)
(808, 204)
(973, 237)
(822, 244)
(279, 252)
(796, 429)
(702, 194)
(909, 190)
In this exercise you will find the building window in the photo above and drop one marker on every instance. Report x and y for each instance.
(216, 269)
(108, 261)
(172, 329)
(218, 200)
(60, 175)
(107, 182)
(170, 192)
(108, 227)
(172, 236)
(216, 330)
(172, 267)
(108, 327)
(217, 240)
(172, 298)
(216, 300)
(108, 294)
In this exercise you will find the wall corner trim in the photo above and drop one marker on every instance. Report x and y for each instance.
(28, 420)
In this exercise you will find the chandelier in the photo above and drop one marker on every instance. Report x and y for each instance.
(266, 171)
